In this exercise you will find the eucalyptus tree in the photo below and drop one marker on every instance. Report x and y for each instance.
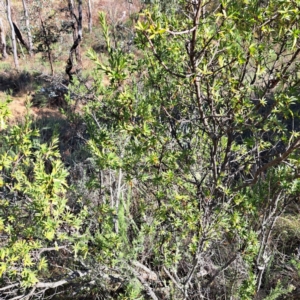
(28, 28)
(13, 36)
(3, 40)
(90, 16)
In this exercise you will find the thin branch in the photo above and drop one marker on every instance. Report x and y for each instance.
(28, 296)
(272, 163)
(173, 279)
(9, 287)
(51, 285)
(52, 249)
(151, 275)
(180, 75)
(182, 32)
(145, 284)
(223, 268)
(196, 262)
(269, 21)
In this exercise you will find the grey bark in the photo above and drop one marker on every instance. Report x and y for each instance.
(13, 36)
(90, 16)
(29, 36)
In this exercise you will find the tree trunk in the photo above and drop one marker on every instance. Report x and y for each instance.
(48, 45)
(79, 31)
(29, 36)
(2, 41)
(13, 36)
(90, 16)
(20, 37)
(77, 38)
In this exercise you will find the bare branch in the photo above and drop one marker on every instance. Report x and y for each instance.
(182, 32)
(41, 250)
(173, 280)
(150, 274)
(9, 287)
(145, 284)
(51, 285)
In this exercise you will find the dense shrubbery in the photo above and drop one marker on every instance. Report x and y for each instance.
(192, 171)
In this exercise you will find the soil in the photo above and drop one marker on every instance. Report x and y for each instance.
(23, 85)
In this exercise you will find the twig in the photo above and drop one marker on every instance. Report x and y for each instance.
(173, 280)
(74, 275)
(9, 287)
(182, 32)
(145, 284)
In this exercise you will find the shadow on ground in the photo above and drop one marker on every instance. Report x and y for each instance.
(18, 83)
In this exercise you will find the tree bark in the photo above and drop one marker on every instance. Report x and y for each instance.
(90, 16)
(48, 45)
(20, 37)
(2, 41)
(75, 54)
(13, 36)
(79, 34)
(29, 36)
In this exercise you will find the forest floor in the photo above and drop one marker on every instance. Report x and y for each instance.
(25, 86)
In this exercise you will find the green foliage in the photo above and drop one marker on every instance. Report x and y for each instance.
(296, 264)
(195, 144)
(4, 112)
(279, 291)
(247, 288)
(34, 214)
(199, 124)
(133, 291)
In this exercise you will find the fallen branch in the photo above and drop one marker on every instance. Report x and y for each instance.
(50, 285)
(144, 283)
